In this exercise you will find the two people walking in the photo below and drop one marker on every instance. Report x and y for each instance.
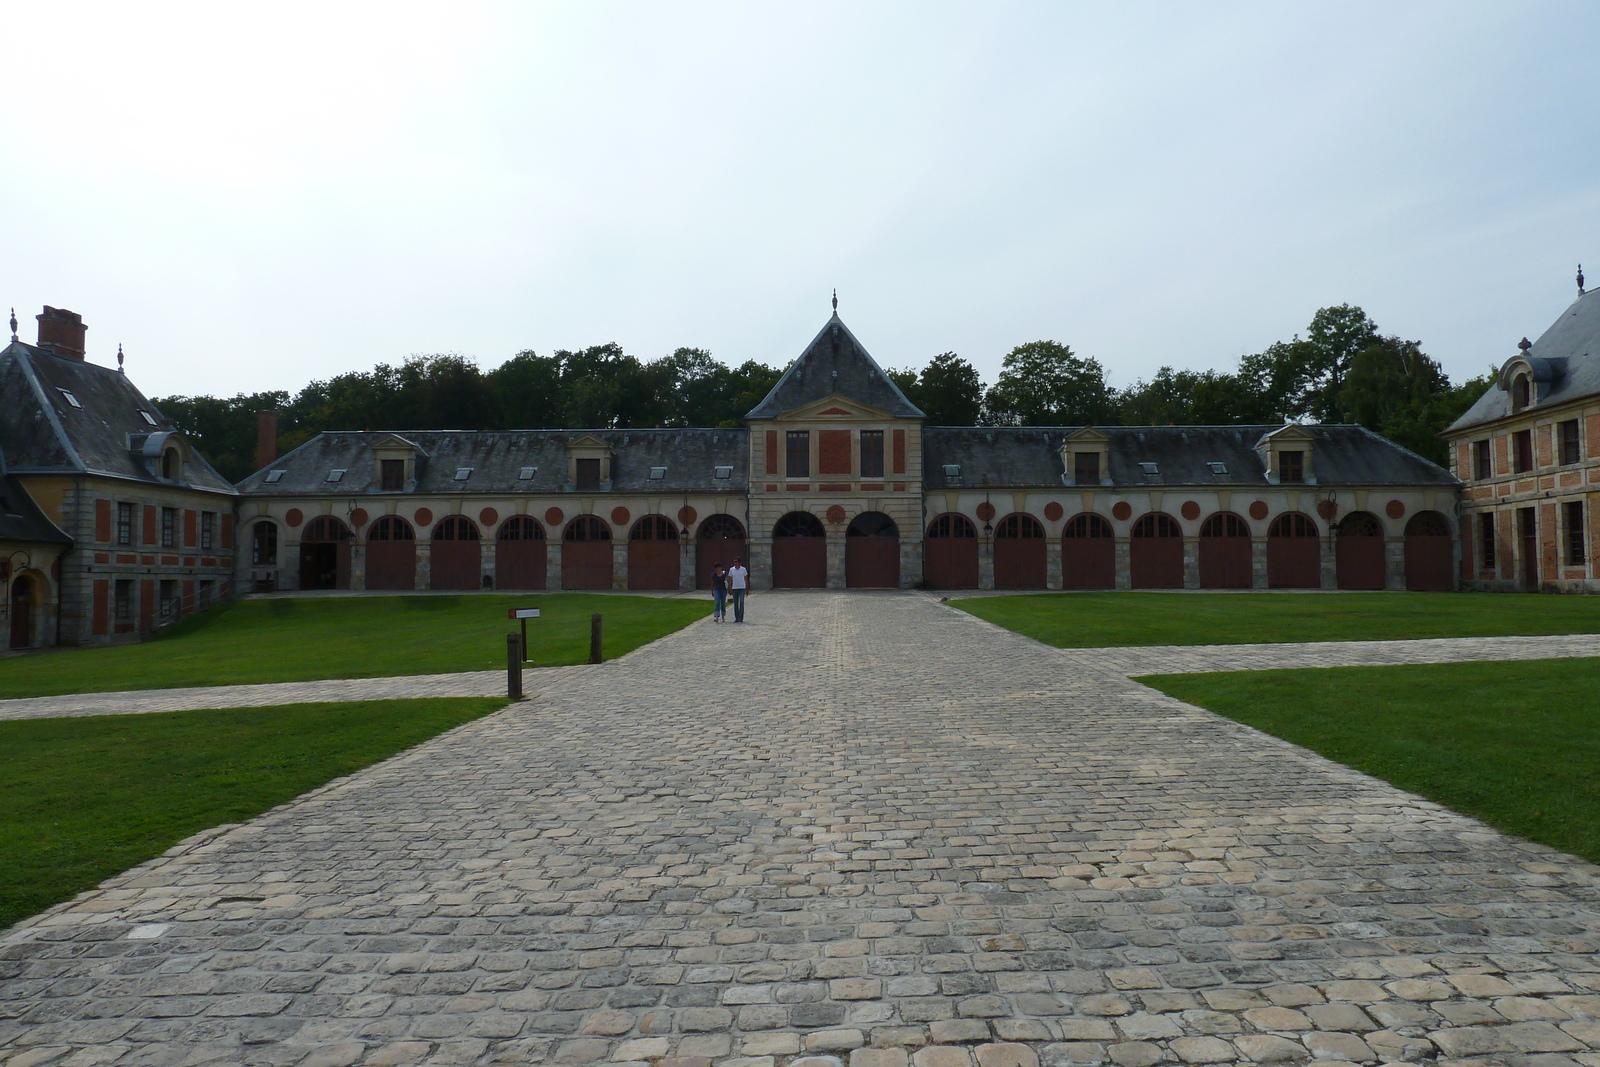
(735, 580)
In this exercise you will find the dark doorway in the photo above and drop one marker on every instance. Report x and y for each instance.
(1528, 538)
(653, 554)
(586, 554)
(1155, 554)
(455, 557)
(950, 553)
(719, 541)
(872, 552)
(1224, 555)
(325, 554)
(22, 602)
(520, 556)
(391, 554)
(1428, 554)
(1294, 553)
(799, 552)
(1088, 552)
(1019, 553)
(1358, 551)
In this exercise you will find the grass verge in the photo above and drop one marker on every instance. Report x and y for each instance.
(83, 799)
(303, 639)
(1100, 620)
(1514, 744)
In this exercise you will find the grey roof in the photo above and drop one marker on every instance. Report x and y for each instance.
(835, 362)
(43, 432)
(497, 458)
(1029, 456)
(1565, 361)
(21, 519)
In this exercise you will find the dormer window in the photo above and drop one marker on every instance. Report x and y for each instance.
(526, 474)
(1291, 466)
(276, 475)
(171, 464)
(67, 395)
(588, 474)
(1521, 392)
(463, 473)
(147, 417)
(722, 472)
(336, 474)
(392, 473)
(1086, 468)
(657, 473)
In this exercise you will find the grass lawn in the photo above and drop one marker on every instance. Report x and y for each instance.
(1099, 620)
(301, 639)
(1514, 744)
(83, 799)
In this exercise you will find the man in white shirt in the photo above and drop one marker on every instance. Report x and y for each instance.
(738, 582)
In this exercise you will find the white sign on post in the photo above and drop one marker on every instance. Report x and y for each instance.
(523, 613)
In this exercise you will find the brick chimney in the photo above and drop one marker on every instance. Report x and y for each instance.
(266, 438)
(62, 332)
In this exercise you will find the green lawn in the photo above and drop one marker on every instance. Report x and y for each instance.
(301, 639)
(83, 799)
(1514, 744)
(1098, 620)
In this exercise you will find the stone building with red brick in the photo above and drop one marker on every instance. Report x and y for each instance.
(114, 525)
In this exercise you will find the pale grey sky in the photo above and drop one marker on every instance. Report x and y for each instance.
(252, 197)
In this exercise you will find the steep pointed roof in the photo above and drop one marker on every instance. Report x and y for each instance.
(835, 363)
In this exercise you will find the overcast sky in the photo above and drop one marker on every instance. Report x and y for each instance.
(250, 197)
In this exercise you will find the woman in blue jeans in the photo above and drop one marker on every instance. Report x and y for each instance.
(719, 593)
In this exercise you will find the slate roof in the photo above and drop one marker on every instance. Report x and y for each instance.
(43, 432)
(1029, 456)
(1565, 359)
(835, 362)
(21, 519)
(497, 457)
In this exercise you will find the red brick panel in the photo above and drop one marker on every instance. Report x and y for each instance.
(899, 451)
(227, 532)
(1549, 543)
(772, 451)
(188, 597)
(191, 520)
(1502, 454)
(102, 593)
(102, 521)
(833, 452)
(152, 518)
(1543, 449)
(1592, 435)
(147, 603)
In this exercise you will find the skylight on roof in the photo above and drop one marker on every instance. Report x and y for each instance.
(722, 472)
(1218, 468)
(952, 472)
(657, 473)
(335, 474)
(1149, 468)
(70, 398)
(526, 474)
(276, 475)
(463, 473)
(151, 419)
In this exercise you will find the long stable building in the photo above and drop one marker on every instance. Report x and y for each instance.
(837, 483)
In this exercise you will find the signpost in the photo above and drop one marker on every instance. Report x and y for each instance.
(523, 614)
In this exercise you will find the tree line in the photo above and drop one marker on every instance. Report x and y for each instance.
(1343, 370)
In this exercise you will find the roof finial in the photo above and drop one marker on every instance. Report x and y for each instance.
(13, 324)
(119, 359)
(1524, 345)
(835, 304)
(1580, 283)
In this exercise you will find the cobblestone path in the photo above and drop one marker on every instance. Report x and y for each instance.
(862, 830)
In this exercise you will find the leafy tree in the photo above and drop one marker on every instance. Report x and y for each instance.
(224, 429)
(1042, 383)
(527, 391)
(950, 391)
(1193, 398)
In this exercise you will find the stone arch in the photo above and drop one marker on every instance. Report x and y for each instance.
(521, 556)
(455, 554)
(799, 552)
(1358, 551)
(1155, 552)
(718, 542)
(325, 553)
(872, 552)
(653, 553)
(1019, 552)
(586, 554)
(1224, 552)
(950, 553)
(1088, 553)
(1294, 552)
(1430, 553)
(391, 554)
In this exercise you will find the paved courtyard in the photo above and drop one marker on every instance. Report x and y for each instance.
(860, 829)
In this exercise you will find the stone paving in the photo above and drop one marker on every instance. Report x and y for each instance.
(862, 830)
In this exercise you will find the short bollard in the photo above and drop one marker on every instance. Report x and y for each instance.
(594, 638)
(514, 666)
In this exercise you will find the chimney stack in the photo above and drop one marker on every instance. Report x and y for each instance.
(62, 332)
(266, 438)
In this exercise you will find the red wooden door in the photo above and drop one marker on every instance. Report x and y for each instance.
(520, 564)
(1224, 563)
(723, 551)
(1019, 553)
(799, 562)
(1358, 552)
(1294, 562)
(1429, 553)
(950, 563)
(21, 612)
(1088, 553)
(391, 564)
(586, 565)
(1155, 553)
(653, 564)
(455, 565)
(872, 562)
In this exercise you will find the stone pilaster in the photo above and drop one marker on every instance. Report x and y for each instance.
(424, 575)
(686, 562)
(910, 563)
(619, 564)
(985, 562)
(1052, 563)
(1191, 563)
(1124, 563)
(836, 560)
(552, 565)
(1258, 563)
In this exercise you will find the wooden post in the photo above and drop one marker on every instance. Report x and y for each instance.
(513, 667)
(524, 639)
(594, 638)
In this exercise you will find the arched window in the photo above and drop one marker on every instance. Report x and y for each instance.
(1521, 392)
(1157, 524)
(391, 528)
(1427, 524)
(952, 525)
(171, 464)
(1360, 524)
(1087, 525)
(799, 524)
(455, 528)
(521, 528)
(1019, 526)
(264, 544)
(653, 528)
(1223, 524)
(587, 528)
(1292, 524)
(872, 524)
(721, 528)
(324, 528)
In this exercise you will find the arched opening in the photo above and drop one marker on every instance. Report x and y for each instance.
(872, 552)
(719, 541)
(1155, 554)
(391, 554)
(653, 554)
(1224, 554)
(1088, 553)
(325, 554)
(586, 554)
(799, 552)
(171, 464)
(455, 554)
(264, 544)
(24, 602)
(1429, 553)
(520, 556)
(1294, 553)
(950, 553)
(1019, 553)
(1358, 551)
(1521, 392)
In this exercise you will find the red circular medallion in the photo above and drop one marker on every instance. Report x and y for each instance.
(424, 517)
(1121, 510)
(1259, 510)
(293, 517)
(1327, 509)
(1190, 510)
(554, 517)
(686, 514)
(836, 514)
(619, 516)
(1395, 509)
(358, 518)
(488, 516)
(985, 511)
(1053, 511)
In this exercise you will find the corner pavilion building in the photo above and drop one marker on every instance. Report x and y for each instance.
(838, 483)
